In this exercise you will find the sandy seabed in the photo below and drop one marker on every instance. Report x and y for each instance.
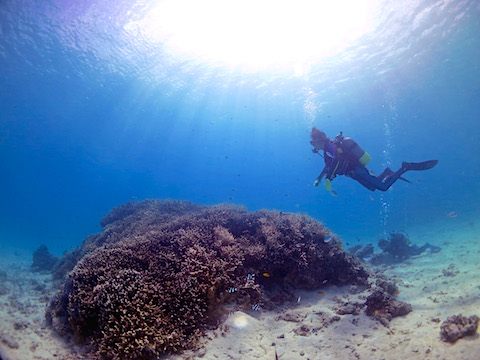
(436, 285)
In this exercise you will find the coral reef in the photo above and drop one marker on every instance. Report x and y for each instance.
(457, 327)
(43, 260)
(163, 271)
(383, 307)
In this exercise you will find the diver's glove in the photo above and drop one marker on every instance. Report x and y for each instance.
(328, 184)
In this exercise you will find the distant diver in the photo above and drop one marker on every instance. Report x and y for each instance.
(400, 247)
(396, 248)
(343, 156)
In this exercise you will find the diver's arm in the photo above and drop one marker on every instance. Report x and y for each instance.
(320, 177)
(328, 171)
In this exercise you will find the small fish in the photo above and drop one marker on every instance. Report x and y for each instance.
(324, 282)
(340, 246)
(251, 277)
(314, 330)
(327, 239)
(299, 299)
(452, 214)
(255, 307)
(321, 293)
(333, 193)
(367, 257)
(372, 198)
(265, 274)
(232, 290)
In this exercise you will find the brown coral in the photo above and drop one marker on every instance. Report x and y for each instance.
(384, 307)
(162, 271)
(458, 326)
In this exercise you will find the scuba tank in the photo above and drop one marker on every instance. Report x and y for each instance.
(350, 145)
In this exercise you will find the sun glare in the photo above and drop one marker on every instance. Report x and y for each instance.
(257, 34)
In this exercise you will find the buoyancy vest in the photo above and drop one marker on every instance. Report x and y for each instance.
(352, 151)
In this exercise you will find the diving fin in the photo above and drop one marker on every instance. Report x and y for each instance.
(425, 165)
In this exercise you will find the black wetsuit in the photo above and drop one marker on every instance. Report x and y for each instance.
(398, 245)
(340, 160)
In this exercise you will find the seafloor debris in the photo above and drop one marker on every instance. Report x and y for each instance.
(302, 330)
(450, 271)
(457, 327)
(345, 308)
(161, 272)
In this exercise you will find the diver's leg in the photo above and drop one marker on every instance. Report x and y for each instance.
(392, 178)
(384, 174)
(406, 167)
(433, 249)
(362, 175)
(415, 250)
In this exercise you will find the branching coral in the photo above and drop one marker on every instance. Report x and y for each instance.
(163, 271)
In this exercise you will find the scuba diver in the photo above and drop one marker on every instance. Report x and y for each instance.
(343, 156)
(396, 248)
(400, 247)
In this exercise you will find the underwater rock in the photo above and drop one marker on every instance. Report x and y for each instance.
(325, 319)
(43, 260)
(163, 271)
(384, 307)
(457, 327)
(387, 286)
(292, 316)
(302, 330)
(360, 251)
(8, 340)
(357, 289)
(348, 308)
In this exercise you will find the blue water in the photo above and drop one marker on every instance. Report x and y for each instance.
(92, 117)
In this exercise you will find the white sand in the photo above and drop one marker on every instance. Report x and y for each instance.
(437, 286)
